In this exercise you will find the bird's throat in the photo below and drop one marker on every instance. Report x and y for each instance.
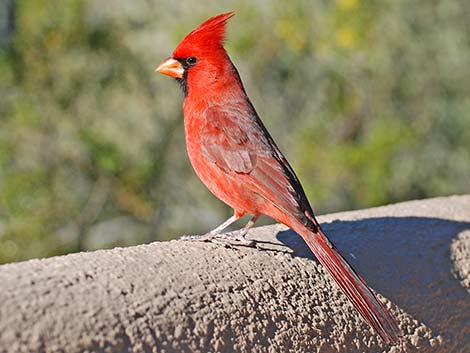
(183, 83)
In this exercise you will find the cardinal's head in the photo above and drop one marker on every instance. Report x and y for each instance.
(200, 60)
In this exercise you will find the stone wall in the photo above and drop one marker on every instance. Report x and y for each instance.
(197, 297)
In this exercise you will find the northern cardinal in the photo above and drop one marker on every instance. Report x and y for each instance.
(234, 155)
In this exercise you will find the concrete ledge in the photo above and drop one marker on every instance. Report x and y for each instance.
(191, 297)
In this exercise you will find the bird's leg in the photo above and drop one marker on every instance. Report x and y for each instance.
(216, 236)
(214, 233)
(240, 235)
(228, 222)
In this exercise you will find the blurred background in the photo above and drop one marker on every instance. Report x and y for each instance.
(369, 100)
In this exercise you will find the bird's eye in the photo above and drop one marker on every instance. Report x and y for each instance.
(191, 60)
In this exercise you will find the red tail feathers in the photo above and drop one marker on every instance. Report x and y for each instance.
(357, 291)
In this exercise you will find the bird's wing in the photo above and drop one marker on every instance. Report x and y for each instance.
(226, 144)
(239, 143)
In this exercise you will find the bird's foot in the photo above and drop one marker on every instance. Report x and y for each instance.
(206, 237)
(239, 236)
(224, 239)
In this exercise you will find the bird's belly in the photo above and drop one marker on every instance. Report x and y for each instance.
(229, 187)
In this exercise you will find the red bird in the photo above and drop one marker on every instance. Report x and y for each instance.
(236, 158)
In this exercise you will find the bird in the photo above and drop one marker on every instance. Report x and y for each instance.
(236, 158)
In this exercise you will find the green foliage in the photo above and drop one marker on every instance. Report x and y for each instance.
(369, 100)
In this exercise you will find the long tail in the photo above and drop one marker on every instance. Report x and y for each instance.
(355, 288)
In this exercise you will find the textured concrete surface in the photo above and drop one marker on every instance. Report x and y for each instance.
(195, 297)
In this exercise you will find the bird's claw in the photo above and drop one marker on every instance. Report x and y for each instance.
(224, 239)
(204, 237)
(240, 237)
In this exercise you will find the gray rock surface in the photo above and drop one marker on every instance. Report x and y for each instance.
(195, 297)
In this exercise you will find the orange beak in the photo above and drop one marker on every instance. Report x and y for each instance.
(171, 67)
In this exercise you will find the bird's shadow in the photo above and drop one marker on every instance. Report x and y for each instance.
(407, 259)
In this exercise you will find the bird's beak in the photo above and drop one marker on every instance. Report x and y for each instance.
(171, 67)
